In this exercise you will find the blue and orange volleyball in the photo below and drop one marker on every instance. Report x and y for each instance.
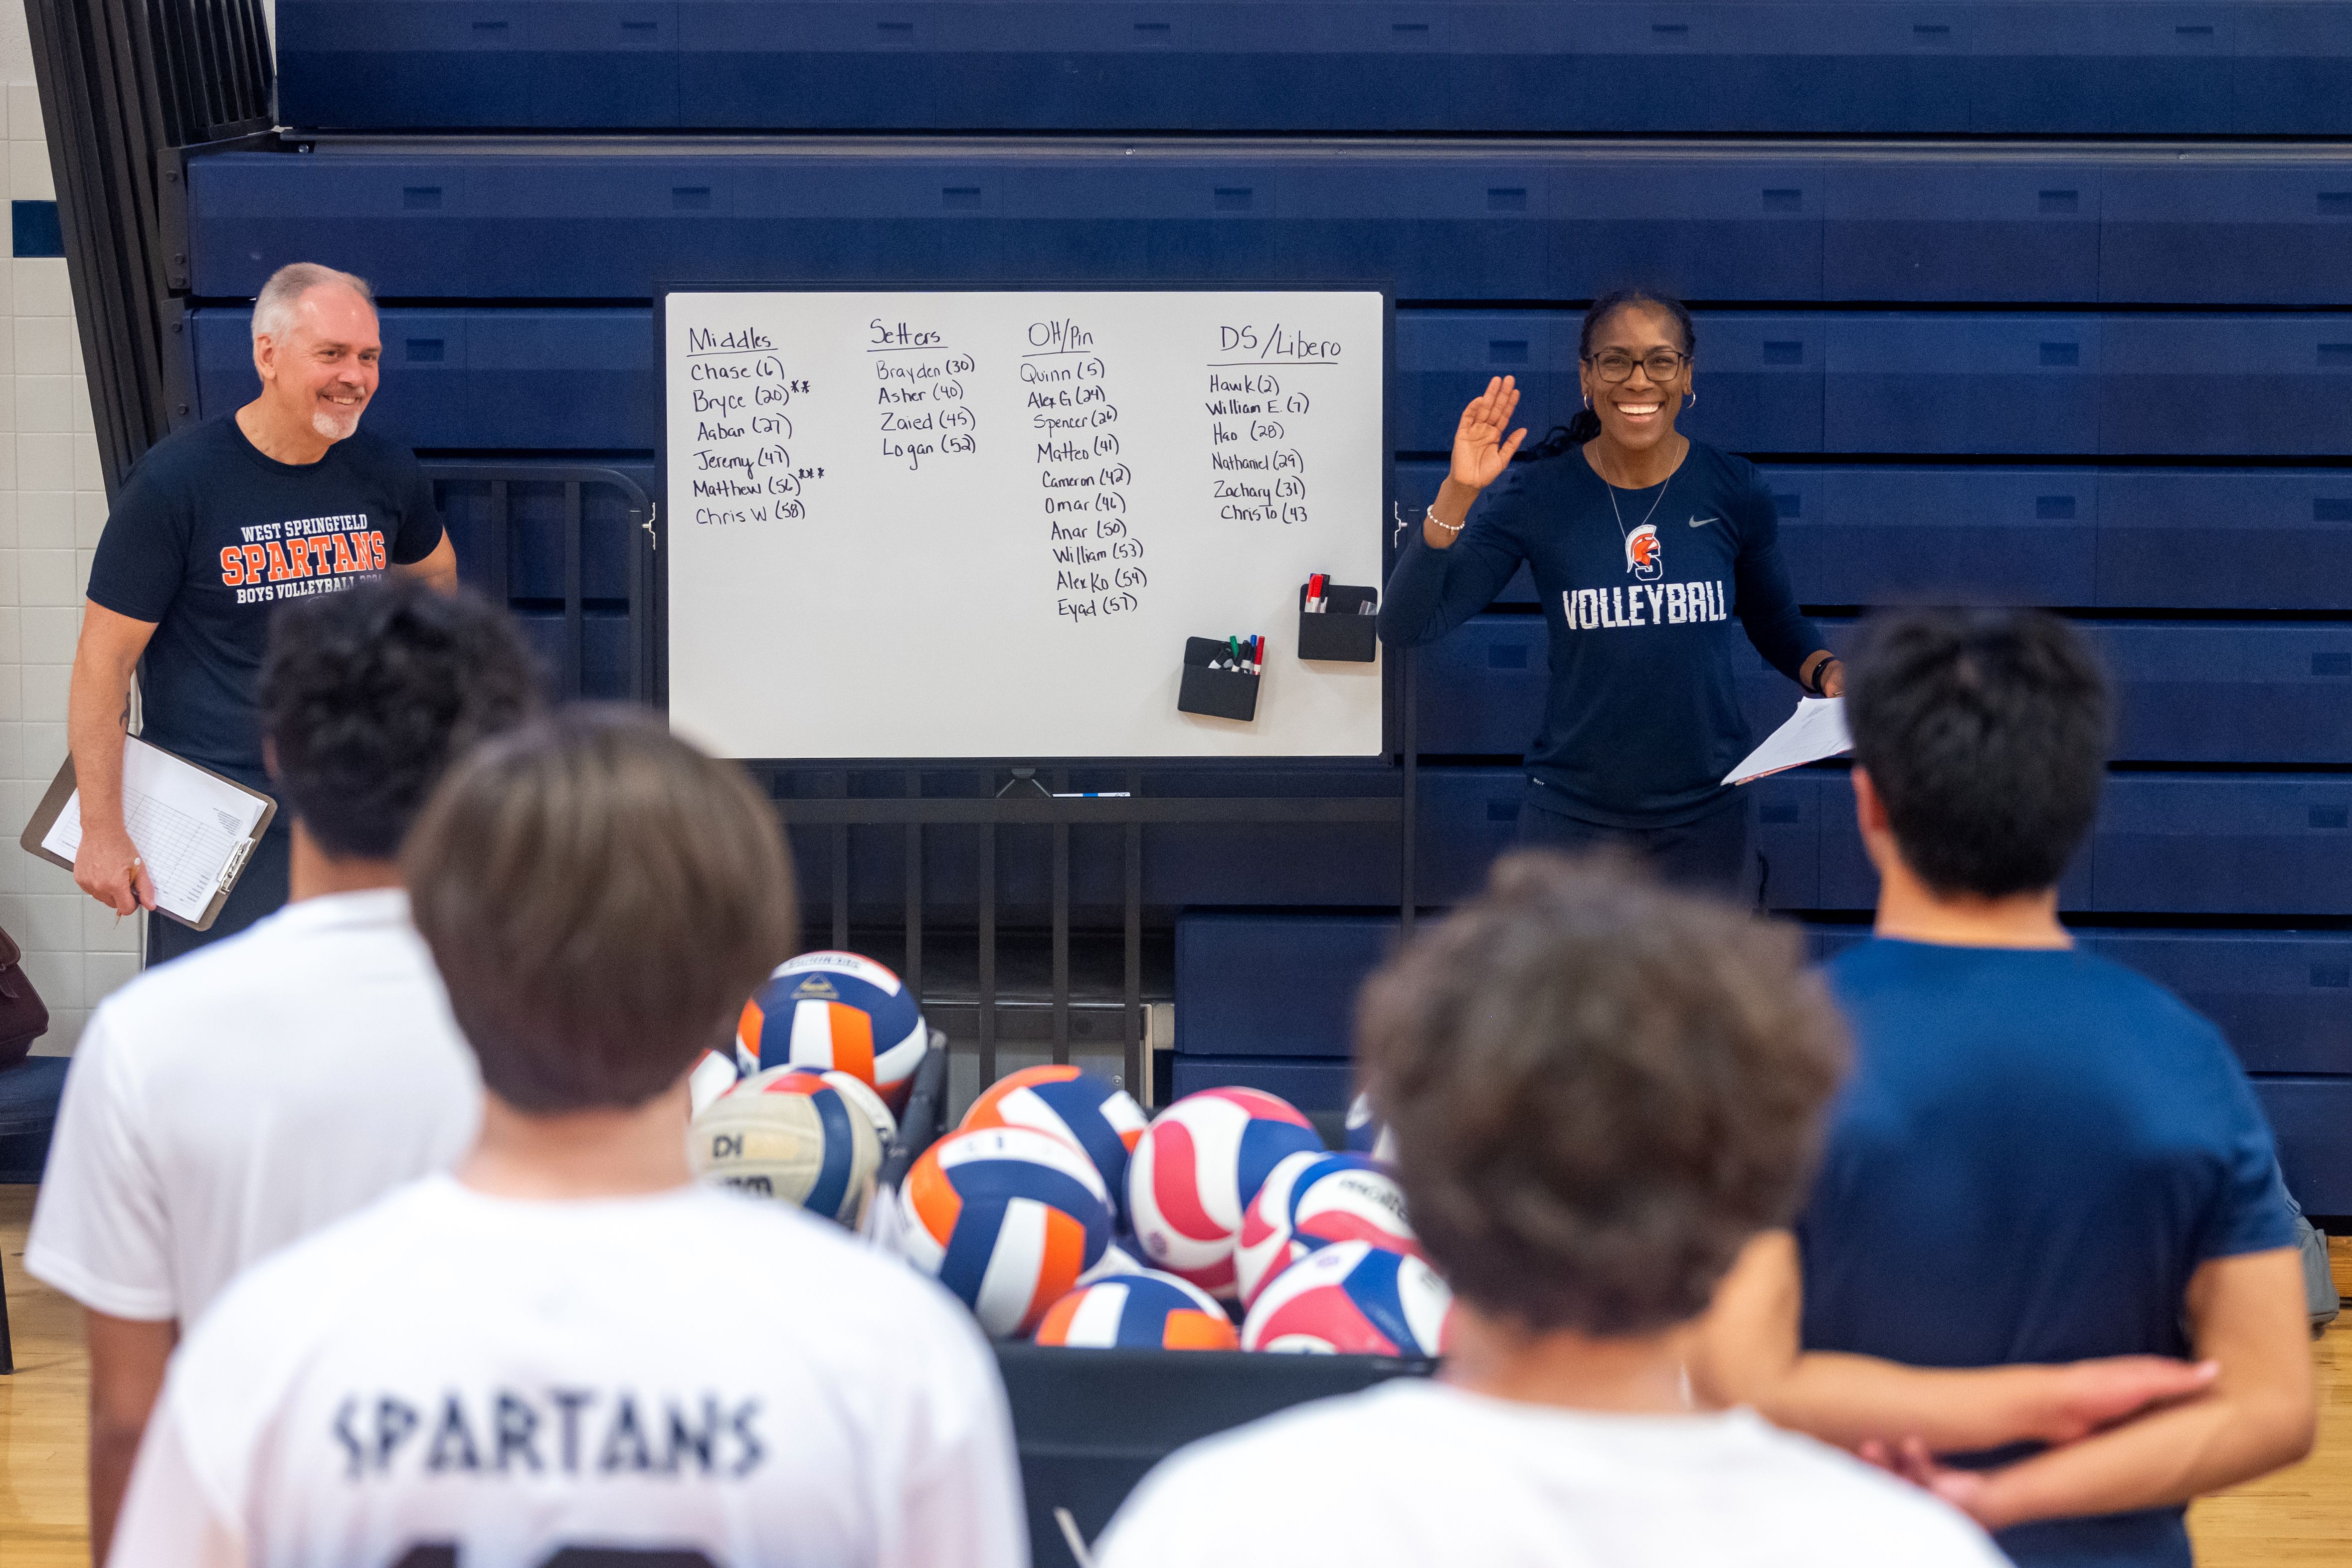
(792, 1137)
(1006, 1217)
(1354, 1299)
(1196, 1170)
(837, 1011)
(1317, 1200)
(1138, 1311)
(1074, 1105)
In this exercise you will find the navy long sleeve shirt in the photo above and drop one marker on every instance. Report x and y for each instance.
(1642, 719)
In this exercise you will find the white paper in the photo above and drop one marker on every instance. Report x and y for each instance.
(184, 822)
(1816, 730)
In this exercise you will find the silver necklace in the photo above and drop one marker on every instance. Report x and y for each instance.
(1653, 512)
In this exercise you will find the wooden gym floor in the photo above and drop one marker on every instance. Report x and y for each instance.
(2301, 1516)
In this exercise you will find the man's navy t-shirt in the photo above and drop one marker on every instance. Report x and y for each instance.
(209, 534)
(1643, 718)
(2034, 1153)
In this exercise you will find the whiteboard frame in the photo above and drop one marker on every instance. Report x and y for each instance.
(1392, 740)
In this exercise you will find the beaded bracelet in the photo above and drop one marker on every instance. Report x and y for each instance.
(1440, 522)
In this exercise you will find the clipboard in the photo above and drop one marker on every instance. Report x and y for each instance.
(188, 837)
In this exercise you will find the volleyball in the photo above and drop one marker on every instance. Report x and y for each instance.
(1367, 1133)
(1006, 1217)
(1138, 1311)
(1195, 1172)
(850, 1087)
(1312, 1201)
(1074, 1105)
(714, 1074)
(791, 1141)
(1352, 1298)
(836, 1010)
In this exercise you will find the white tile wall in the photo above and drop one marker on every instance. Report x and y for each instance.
(52, 507)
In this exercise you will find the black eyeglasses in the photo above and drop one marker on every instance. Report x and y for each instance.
(1614, 365)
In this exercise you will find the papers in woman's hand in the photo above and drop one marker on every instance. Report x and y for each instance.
(1816, 730)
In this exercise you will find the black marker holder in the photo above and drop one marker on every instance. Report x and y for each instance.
(1215, 694)
(1346, 631)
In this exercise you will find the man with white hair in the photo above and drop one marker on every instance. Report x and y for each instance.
(282, 499)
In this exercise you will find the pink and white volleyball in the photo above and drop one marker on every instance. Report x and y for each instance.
(1314, 1201)
(1195, 1172)
(1354, 1299)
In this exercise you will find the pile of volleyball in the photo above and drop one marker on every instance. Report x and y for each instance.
(1057, 1211)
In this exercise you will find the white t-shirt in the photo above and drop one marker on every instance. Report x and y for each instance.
(1414, 1473)
(460, 1381)
(223, 1104)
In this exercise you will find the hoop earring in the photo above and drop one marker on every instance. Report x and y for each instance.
(1587, 403)
(1690, 400)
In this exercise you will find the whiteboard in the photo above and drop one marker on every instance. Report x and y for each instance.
(982, 524)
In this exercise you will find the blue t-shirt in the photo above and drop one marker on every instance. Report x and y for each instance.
(1642, 719)
(2034, 1153)
(209, 534)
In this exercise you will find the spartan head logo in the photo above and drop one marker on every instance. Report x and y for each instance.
(1645, 553)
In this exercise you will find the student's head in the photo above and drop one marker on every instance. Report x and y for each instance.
(1600, 1091)
(367, 697)
(1980, 742)
(600, 898)
(315, 346)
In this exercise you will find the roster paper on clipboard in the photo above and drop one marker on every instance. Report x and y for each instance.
(1816, 730)
(193, 828)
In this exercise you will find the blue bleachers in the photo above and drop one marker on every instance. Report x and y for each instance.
(1488, 220)
(2173, 385)
(2186, 692)
(1974, 66)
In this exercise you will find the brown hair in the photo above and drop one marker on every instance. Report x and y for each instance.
(1599, 1090)
(600, 898)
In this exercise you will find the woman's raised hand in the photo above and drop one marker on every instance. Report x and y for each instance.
(1480, 453)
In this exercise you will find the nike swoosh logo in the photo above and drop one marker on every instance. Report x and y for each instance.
(1702, 522)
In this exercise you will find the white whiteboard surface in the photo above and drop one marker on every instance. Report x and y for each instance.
(982, 524)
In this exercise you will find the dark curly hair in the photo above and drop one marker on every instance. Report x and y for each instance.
(368, 695)
(1985, 733)
(1600, 1091)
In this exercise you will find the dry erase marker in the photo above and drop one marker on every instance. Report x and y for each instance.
(1090, 795)
(1315, 586)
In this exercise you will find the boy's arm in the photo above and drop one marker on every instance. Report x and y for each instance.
(1748, 1352)
(127, 1358)
(2246, 1313)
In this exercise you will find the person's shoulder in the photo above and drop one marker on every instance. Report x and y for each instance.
(162, 1010)
(1237, 1496)
(188, 456)
(1877, 1519)
(780, 1247)
(370, 452)
(274, 1314)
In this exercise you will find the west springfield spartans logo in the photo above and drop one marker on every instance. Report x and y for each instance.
(1645, 553)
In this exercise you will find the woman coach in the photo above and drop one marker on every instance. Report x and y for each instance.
(1644, 544)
